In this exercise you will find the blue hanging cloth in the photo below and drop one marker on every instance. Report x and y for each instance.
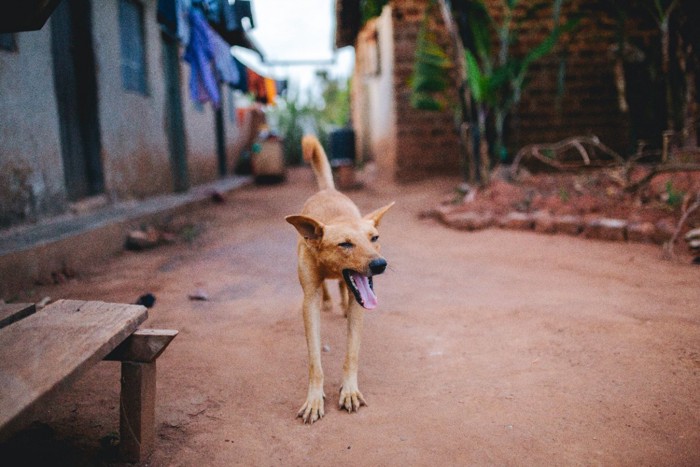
(200, 55)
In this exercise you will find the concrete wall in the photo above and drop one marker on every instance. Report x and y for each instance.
(202, 158)
(201, 138)
(135, 151)
(31, 168)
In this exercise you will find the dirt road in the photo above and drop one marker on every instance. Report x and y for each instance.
(488, 348)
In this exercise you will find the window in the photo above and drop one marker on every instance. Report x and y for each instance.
(133, 46)
(7, 42)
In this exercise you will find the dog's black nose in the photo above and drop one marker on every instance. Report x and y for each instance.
(377, 266)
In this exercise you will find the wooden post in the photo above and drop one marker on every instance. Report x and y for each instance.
(137, 411)
(137, 420)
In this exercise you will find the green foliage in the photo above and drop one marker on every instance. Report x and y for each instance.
(496, 76)
(290, 117)
(674, 198)
(429, 79)
(336, 100)
(296, 117)
(564, 194)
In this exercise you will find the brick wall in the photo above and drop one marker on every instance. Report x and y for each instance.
(589, 102)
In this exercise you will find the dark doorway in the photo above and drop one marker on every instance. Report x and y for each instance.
(76, 94)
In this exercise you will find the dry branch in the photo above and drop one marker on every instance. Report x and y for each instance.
(659, 169)
(550, 154)
(668, 246)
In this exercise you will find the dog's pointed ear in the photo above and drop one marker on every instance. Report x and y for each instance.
(307, 227)
(376, 216)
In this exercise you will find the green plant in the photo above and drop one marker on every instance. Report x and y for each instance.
(497, 78)
(673, 197)
(428, 82)
(296, 116)
(564, 195)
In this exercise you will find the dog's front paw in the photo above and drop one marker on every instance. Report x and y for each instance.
(351, 399)
(312, 409)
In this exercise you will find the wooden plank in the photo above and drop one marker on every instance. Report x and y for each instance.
(48, 349)
(13, 312)
(144, 345)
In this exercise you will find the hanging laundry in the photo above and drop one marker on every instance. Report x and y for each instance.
(242, 75)
(200, 55)
(229, 19)
(172, 15)
(282, 86)
(256, 86)
(270, 91)
(166, 14)
(228, 71)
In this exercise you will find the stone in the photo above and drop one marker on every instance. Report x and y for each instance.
(568, 224)
(544, 222)
(692, 234)
(694, 246)
(664, 231)
(517, 220)
(469, 220)
(642, 232)
(606, 229)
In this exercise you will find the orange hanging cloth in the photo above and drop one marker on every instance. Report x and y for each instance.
(256, 85)
(271, 90)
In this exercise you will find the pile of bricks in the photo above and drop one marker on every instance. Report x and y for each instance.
(600, 228)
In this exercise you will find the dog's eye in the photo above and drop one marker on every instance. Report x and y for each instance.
(375, 238)
(346, 245)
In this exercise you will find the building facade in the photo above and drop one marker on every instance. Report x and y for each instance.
(95, 106)
(573, 91)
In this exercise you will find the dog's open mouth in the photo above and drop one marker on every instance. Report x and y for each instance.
(362, 288)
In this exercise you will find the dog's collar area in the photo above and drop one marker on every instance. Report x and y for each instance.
(362, 288)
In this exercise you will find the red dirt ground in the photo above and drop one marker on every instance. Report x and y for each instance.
(494, 347)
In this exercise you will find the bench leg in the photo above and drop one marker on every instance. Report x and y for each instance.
(137, 411)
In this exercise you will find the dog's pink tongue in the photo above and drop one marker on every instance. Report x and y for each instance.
(368, 297)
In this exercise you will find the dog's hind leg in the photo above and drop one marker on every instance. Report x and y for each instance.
(344, 297)
(351, 398)
(327, 304)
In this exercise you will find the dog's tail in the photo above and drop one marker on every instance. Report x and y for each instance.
(314, 153)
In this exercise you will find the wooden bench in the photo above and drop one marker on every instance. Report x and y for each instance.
(41, 352)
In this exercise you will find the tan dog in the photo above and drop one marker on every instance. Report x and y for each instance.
(336, 243)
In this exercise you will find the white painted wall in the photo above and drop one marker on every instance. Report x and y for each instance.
(374, 110)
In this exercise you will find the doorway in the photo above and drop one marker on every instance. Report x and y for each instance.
(75, 83)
